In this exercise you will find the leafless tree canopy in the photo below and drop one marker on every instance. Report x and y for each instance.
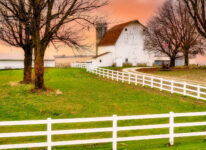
(197, 10)
(56, 20)
(173, 32)
(18, 34)
(52, 21)
(162, 35)
(191, 41)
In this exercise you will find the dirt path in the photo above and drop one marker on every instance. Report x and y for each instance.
(134, 70)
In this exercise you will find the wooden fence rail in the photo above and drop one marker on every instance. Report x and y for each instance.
(171, 125)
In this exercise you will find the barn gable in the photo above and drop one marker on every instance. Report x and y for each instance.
(112, 35)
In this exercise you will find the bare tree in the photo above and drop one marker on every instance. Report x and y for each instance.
(17, 34)
(191, 41)
(50, 19)
(197, 10)
(53, 21)
(162, 34)
(174, 33)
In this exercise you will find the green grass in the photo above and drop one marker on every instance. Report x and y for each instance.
(86, 95)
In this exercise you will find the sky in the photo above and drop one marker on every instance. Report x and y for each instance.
(117, 11)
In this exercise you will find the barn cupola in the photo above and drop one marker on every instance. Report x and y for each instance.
(101, 29)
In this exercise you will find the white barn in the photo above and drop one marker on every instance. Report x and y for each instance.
(121, 44)
(124, 44)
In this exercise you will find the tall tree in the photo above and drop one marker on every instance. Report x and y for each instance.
(162, 34)
(53, 21)
(191, 41)
(17, 34)
(49, 21)
(197, 10)
(175, 28)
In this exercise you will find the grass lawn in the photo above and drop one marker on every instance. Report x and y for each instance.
(86, 95)
(193, 74)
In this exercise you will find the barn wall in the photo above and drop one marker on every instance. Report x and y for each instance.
(104, 49)
(104, 61)
(130, 45)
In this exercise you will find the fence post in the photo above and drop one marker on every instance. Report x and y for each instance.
(114, 144)
(100, 71)
(108, 73)
(143, 78)
(161, 84)
(172, 86)
(112, 75)
(152, 82)
(185, 87)
(117, 76)
(103, 72)
(129, 76)
(171, 133)
(96, 71)
(49, 136)
(136, 79)
(122, 77)
(198, 92)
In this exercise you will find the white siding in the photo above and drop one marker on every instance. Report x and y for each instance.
(104, 61)
(104, 49)
(130, 45)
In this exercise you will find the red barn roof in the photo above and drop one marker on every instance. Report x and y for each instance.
(112, 35)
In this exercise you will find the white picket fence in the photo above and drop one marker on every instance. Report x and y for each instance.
(114, 129)
(172, 86)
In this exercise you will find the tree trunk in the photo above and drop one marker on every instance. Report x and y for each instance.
(172, 62)
(27, 65)
(186, 55)
(39, 69)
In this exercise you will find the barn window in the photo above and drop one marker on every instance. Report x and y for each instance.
(126, 29)
(100, 60)
(126, 60)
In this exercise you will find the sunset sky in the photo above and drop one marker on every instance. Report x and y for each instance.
(118, 11)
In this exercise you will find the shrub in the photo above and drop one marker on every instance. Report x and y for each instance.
(165, 67)
(114, 65)
(203, 67)
(155, 65)
(127, 65)
(7, 68)
(142, 65)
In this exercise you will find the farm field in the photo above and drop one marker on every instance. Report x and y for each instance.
(197, 75)
(81, 94)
